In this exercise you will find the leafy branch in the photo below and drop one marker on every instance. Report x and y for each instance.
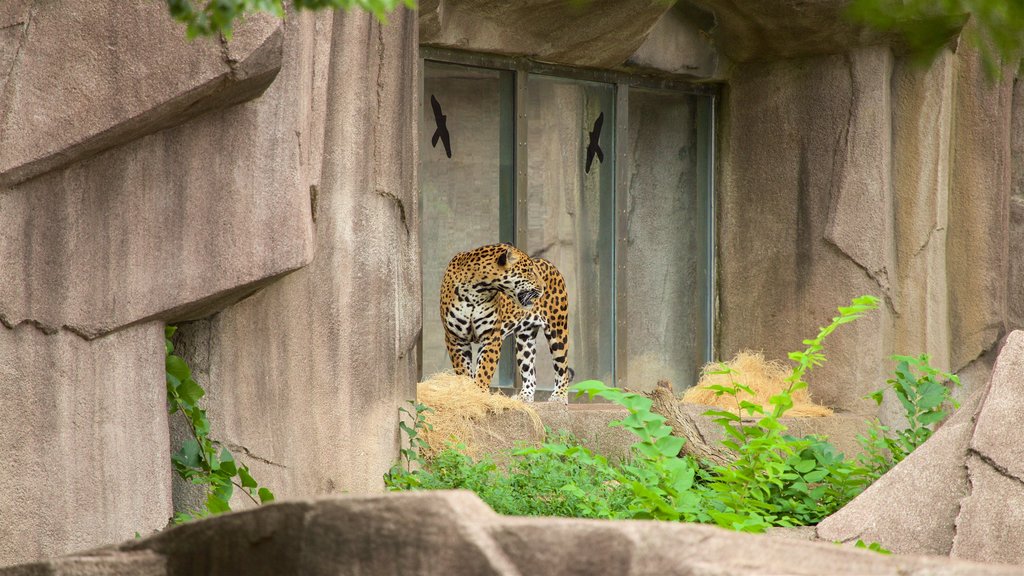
(198, 461)
(219, 16)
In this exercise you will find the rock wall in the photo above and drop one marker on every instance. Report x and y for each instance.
(151, 180)
(849, 170)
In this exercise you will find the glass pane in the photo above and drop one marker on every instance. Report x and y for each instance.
(465, 199)
(570, 212)
(667, 253)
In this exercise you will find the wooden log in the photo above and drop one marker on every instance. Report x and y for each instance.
(664, 402)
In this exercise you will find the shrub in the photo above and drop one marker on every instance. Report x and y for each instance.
(774, 480)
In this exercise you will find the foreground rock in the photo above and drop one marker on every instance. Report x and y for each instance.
(456, 533)
(962, 492)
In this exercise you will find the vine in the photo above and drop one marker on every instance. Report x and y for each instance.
(199, 461)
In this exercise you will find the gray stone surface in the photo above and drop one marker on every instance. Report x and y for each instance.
(804, 210)
(108, 563)
(979, 197)
(1015, 272)
(604, 33)
(58, 109)
(993, 509)
(455, 533)
(306, 376)
(1004, 405)
(992, 516)
(922, 133)
(679, 43)
(83, 442)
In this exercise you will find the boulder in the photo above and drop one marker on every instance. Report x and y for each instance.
(961, 492)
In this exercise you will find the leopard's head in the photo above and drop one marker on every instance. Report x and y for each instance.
(518, 275)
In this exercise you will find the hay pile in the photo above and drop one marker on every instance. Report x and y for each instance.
(459, 410)
(766, 378)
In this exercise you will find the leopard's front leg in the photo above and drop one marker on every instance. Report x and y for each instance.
(487, 361)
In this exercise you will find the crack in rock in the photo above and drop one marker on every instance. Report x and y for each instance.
(399, 204)
(239, 448)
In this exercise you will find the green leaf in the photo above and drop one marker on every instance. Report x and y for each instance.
(265, 495)
(670, 446)
(177, 367)
(190, 392)
(227, 463)
(815, 476)
(805, 465)
(217, 505)
(188, 454)
(245, 478)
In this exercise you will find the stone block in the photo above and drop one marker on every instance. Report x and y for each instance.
(912, 508)
(132, 73)
(589, 424)
(170, 226)
(1015, 276)
(84, 441)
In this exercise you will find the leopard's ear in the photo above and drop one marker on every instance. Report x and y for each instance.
(506, 257)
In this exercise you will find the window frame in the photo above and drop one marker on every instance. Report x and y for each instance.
(622, 82)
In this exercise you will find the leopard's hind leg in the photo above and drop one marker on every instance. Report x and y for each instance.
(526, 358)
(557, 334)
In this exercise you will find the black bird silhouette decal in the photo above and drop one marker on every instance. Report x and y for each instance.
(442, 128)
(593, 148)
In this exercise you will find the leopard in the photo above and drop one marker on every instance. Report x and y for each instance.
(493, 291)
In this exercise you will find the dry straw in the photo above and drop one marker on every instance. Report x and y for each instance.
(765, 377)
(460, 410)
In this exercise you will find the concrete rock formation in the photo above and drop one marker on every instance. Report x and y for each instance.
(147, 180)
(455, 533)
(960, 494)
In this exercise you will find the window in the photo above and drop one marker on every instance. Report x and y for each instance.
(606, 175)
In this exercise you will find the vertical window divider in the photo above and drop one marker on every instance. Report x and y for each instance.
(521, 186)
(620, 254)
(522, 152)
(706, 137)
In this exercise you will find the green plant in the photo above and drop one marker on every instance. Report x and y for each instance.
(660, 483)
(774, 480)
(927, 26)
(926, 401)
(402, 476)
(873, 546)
(198, 461)
(219, 16)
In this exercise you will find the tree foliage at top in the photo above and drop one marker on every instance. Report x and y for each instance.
(928, 25)
(213, 17)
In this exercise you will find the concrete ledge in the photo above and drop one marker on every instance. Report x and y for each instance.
(589, 423)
